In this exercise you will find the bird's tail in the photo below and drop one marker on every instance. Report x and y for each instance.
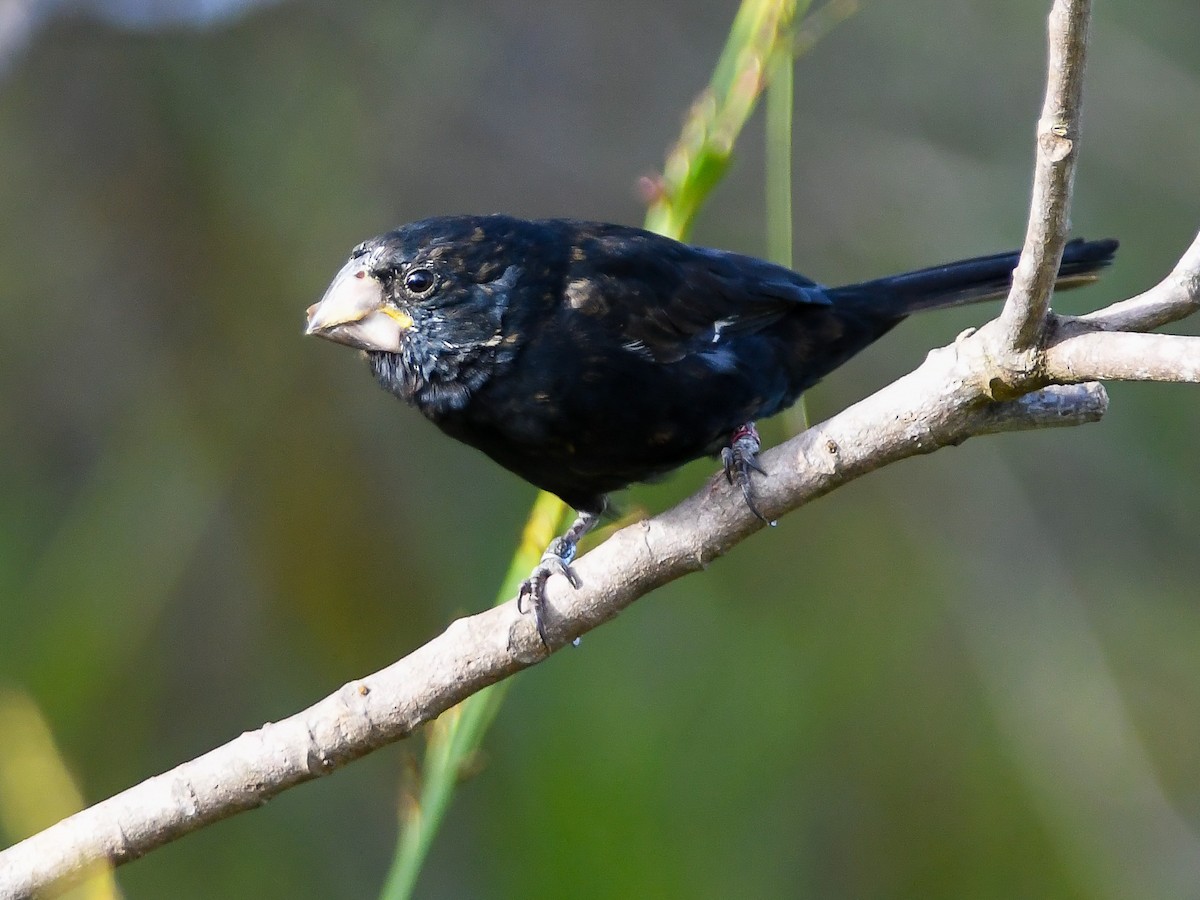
(970, 280)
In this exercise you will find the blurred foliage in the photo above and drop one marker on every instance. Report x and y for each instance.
(973, 674)
(759, 38)
(36, 790)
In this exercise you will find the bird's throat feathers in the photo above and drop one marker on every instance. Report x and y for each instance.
(452, 348)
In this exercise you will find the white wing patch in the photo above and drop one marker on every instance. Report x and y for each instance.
(637, 348)
(718, 326)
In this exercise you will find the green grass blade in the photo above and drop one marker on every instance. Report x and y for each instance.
(454, 738)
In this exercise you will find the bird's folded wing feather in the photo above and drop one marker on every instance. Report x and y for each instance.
(674, 300)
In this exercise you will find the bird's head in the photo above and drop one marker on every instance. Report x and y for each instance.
(427, 303)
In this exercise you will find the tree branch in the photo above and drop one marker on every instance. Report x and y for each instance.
(1175, 297)
(932, 407)
(1054, 173)
(1081, 354)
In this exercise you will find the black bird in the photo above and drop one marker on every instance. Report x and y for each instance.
(586, 356)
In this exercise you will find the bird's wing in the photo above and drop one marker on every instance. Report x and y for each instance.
(667, 300)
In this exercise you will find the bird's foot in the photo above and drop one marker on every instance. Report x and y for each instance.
(555, 561)
(740, 458)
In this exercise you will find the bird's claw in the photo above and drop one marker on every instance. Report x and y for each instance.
(555, 561)
(739, 459)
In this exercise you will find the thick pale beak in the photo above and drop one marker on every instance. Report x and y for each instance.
(354, 312)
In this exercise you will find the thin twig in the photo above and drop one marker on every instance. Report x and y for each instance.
(1079, 354)
(1175, 297)
(1021, 322)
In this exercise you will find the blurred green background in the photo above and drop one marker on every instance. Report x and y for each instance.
(975, 674)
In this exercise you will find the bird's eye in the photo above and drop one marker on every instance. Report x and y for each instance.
(419, 282)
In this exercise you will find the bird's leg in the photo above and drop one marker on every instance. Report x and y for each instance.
(555, 561)
(739, 458)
